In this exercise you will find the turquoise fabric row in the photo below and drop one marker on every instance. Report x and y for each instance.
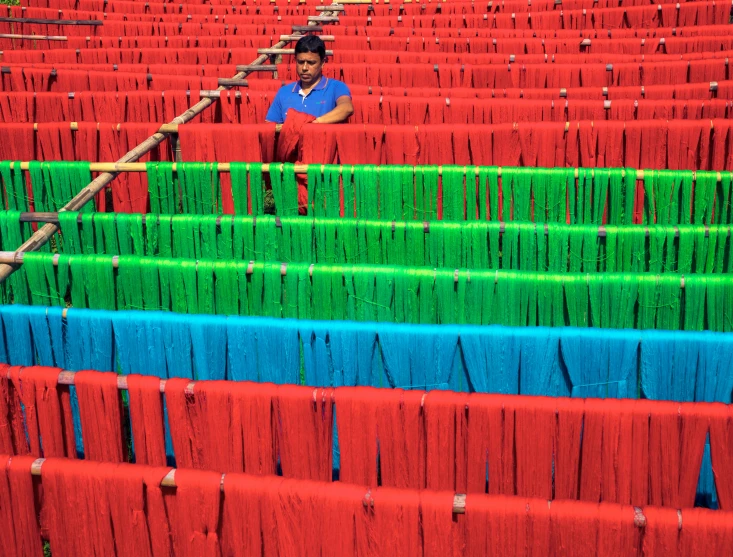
(663, 365)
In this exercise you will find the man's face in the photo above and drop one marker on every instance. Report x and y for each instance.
(309, 66)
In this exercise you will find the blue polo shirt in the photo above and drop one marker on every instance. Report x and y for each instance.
(319, 101)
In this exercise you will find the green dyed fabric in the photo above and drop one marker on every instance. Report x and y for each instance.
(386, 293)
(162, 188)
(284, 189)
(557, 248)
(200, 188)
(12, 235)
(14, 190)
(247, 184)
(543, 195)
(56, 183)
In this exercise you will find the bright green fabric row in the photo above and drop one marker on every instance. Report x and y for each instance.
(476, 245)
(53, 184)
(383, 293)
(406, 192)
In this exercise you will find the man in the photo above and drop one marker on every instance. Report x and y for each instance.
(329, 100)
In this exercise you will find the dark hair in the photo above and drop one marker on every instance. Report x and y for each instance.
(311, 43)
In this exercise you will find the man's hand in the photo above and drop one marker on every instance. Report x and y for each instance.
(344, 109)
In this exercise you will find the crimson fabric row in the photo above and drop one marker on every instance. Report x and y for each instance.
(128, 7)
(692, 14)
(251, 108)
(377, 10)
(21, 79)
(518, 46)
(653, 144)
(557, 33)
(343, 56)
(481, 45)
(244, 40)
(43, 79)
(207, 515)
(91, 141)
(270, 24)
(138, 106)
(194, 55)
(202, 55)
(524, 75)
(718, 89)
(427, 75)
(636, 452)
(80, 43)
(132, 6)
(497, 6)
(648, 17)
(114, 33)
(193, 70)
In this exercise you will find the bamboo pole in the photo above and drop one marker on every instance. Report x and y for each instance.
(324, 38)
(87, 22)
(164, 128)
(54, 218)
(33, 37)
(281, 51)
(16, 258)
(44, 233)
(169, 480)
(298, 168)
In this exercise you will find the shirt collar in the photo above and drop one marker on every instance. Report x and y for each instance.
(321, 85)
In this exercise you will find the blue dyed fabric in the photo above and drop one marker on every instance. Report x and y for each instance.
(660, 365)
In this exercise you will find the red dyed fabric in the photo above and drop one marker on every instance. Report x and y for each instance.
(573, 528)
(396, 522)
(617, 533)
(49, 423)
(289, 149)
(304, 422)
(12, 429)
(567, 448)
(193, 511)
(253, 401)
(100, 411)
(356, 421)
(721, 453)
(221, 425)
(488, 448)
(661, 534)
(21, 531)
(245, 515)
(446, 431)
(507, 526)
(400, 428)
(96, 508)
(705, 532)
(607, 452)
(442, 535)
(146, 417)
(534, 429)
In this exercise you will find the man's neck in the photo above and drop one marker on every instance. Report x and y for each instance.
(307, 90)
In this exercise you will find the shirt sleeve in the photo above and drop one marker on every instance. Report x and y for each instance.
(275, 112)
(341, 90)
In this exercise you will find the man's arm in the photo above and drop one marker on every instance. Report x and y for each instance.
(343, 110)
